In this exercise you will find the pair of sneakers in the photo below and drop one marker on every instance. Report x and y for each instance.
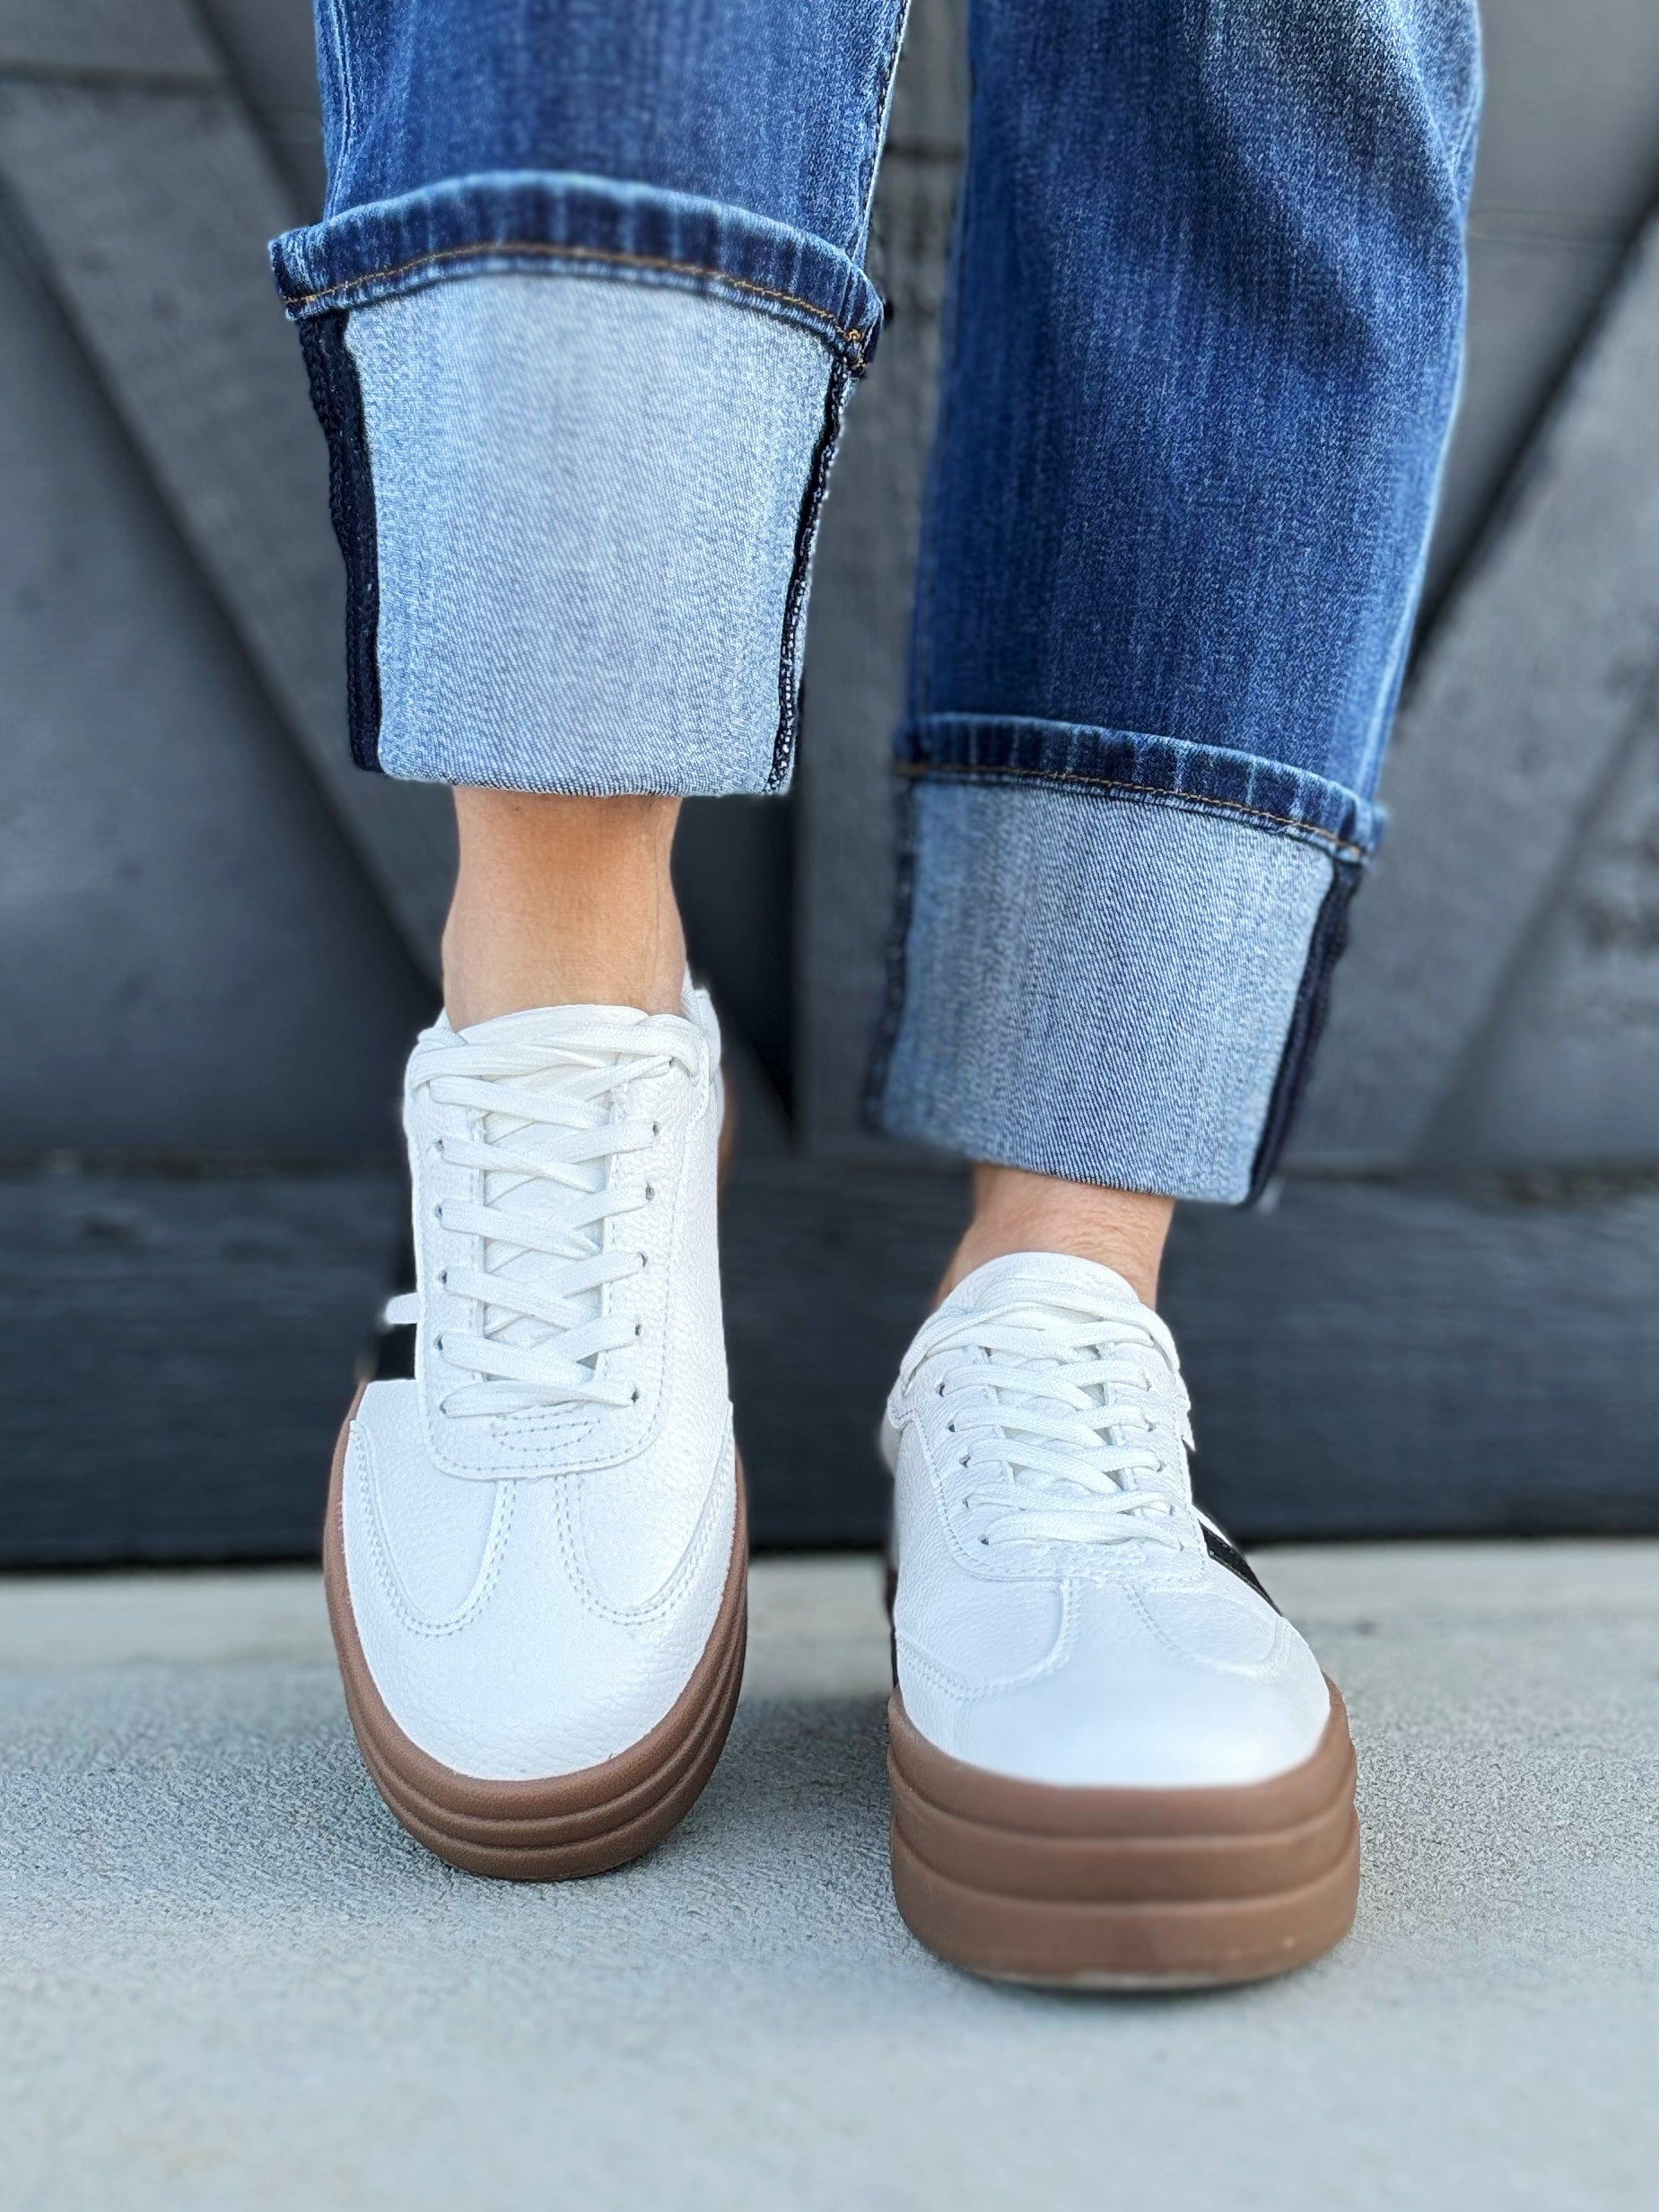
(1113, 1761)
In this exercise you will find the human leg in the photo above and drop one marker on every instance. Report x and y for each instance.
(1205, 338)
(579, 333)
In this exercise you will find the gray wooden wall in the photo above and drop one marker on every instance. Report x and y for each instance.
(219, 938)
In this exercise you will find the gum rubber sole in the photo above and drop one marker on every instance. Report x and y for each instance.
(569, 1824)
(1124, 1889)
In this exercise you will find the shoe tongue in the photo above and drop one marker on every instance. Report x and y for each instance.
(551, 1025)
(1038, 1277)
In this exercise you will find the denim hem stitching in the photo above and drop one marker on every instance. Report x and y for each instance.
(801, 570)
(1004, 772)
(482, 249)
(897, 964)
(1307, 1021)
(336, 395)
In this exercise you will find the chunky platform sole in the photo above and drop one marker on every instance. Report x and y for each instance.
(569, 1824)
(1123, 1889)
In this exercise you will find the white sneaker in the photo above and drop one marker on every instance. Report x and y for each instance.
(534, 1549)
(1113, 1763)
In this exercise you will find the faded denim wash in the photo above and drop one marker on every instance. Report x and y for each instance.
(680, 651)
(582, 316)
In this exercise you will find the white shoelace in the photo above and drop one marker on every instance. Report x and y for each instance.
(1070, 1432)
(546, 1126)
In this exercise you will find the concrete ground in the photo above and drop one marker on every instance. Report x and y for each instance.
(227, 1980)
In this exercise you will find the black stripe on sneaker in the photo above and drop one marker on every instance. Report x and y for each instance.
(391, 1351)
(1228, 1555)
(393, 1354)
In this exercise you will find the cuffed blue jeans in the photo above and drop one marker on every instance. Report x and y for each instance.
(583, 318)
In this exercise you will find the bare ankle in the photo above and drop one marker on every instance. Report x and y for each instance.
(1017, 1211)
(562, 902)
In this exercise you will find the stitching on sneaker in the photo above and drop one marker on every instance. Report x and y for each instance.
(402, 1603)
(665, 1599)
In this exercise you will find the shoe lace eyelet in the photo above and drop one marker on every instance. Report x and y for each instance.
(634, 1397)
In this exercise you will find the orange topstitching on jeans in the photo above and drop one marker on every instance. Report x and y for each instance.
(479, 250)
(1119, 784)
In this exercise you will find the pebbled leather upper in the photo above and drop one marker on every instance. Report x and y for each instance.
(533, 1590)
(1124, 1663)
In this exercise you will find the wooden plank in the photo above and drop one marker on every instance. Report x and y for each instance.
(1533, 688)
(194, 955)
(1376, 1358)
(1533, 297)
(149, 210)
(1375, 1391)
(152, 39)
(930, 112)
(187, 1345)
(200, 1333)
(1566, 132)
(1568, 1069)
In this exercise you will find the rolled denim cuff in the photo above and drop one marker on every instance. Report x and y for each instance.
(577, 493)
(1112, 951)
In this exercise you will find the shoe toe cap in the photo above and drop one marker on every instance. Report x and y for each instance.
(527, 1675)
(1123, 1704)
(1167, 1736)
